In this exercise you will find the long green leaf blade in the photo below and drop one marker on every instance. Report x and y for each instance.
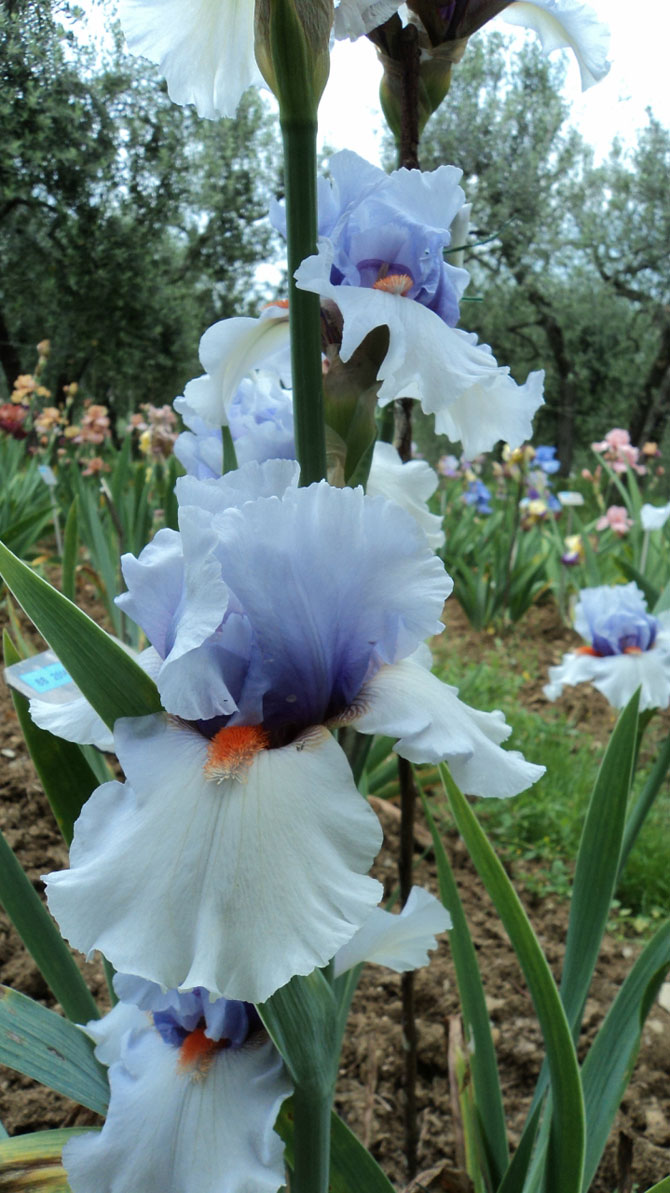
(301, 1017)
(566, 1148)
(43, 1045)
(598, 864)
(70, 551)
(42, 939)
(483, 1063)
(32, 1163)
(352, 1168)
(607, 1067)
(65, 775)
(109, 678)
(644, 802)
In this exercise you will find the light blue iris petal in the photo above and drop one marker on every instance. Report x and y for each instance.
(155, 584)
(397, 223)
(348, 582)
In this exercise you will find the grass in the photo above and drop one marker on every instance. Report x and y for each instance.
(543, 825)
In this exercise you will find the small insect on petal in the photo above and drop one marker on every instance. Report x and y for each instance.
(232, 750)
(394, 283)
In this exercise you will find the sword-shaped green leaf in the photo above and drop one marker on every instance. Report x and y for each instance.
(110, 679)
(43, 1045)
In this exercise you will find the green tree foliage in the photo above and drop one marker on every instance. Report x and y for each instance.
(567, 274)
(127, 225)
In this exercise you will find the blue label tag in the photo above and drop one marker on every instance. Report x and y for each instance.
(47, 474)
(47, 678)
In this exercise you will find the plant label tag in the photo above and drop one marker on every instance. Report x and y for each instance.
(48, 475)
(44, 676)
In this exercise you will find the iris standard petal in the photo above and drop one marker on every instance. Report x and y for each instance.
(349, 582)
(567, 24)
(409, 484)
(353, 18)
(228, 350)
(76, 721)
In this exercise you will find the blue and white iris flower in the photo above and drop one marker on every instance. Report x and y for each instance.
(381, 261)
(230, 351)
(260, 417)
(626, 648)
(195, 1089)
(479, 495)
(237, 852)
(196, 1084)
(545, 458)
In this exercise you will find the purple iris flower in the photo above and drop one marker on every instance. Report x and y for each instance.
(479, 495)
(545, 458)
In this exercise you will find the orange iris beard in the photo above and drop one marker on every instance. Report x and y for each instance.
(394, 283)
(590, 651)
(197, 1050)
(232, 750)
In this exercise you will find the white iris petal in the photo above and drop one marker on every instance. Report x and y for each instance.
(204, 48)
(233, 886)
(406, 701)
(167, 1132)
(454, 377)
(400, 942)
(566, 24)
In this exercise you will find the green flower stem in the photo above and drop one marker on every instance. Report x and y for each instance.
(229, 453)
(299, 139)
(302, 1019)
(311, 1140)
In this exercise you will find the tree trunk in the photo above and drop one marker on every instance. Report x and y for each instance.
(565, 423)
(9, 357)
(653, 409)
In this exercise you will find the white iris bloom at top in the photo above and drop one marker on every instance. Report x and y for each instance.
(627, 648)
(237, 852)
(381, 260)
(559, 24)
(204, 48)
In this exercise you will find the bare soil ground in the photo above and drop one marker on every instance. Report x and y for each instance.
(371, 1088)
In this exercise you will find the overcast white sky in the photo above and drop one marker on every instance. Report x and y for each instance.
(350, 115)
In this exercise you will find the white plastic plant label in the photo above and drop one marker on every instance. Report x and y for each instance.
(44, 676)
